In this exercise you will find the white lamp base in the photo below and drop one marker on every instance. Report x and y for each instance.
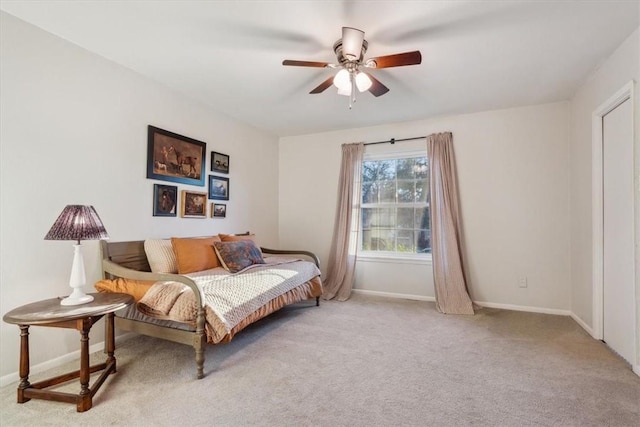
(76, 300)
(77, 280)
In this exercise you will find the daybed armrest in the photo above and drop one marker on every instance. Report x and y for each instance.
(311, 255)
(128, 273)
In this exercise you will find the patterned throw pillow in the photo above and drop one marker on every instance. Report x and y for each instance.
(237, 237)
(161, 257)
(236, 256)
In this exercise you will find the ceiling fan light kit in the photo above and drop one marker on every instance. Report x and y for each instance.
(345, 91)
(350, 51)
(342, 80)
(363, 82)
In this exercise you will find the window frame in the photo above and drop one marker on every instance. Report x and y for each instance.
(390, 256)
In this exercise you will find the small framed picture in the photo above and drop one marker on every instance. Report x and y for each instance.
(194, 204)
(219, 162)
(218, 188)
(218, 210)
(165, 200)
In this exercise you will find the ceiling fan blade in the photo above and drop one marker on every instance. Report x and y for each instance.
(352, 40)
(377, 88)
(397, 60)
(323, 86)
(305, 63)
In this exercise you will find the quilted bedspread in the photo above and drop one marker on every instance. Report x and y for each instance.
(229, 298)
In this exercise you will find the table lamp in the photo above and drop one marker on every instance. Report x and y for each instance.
(77, 222)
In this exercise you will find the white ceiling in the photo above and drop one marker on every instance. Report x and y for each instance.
(477, 56)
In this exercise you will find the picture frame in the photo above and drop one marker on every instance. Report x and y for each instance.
(219, 162)
(218, 210)
(194, 204)
(218, 187)
(175, 158)
(165, 200)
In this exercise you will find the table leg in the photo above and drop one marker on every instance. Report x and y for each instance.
(84, 398)
(24, 363)
(111, 340)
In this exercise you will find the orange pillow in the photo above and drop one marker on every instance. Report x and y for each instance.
(135, 288)
(237, 237)
(195, 254)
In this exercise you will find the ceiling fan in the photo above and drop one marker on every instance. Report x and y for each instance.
(350, 50)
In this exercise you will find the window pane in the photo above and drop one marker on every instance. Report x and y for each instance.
(368, 171)
(386, 218)
(378, 170)
(378, 218)
(388, 191)
(370, 192)
(387, 239)
(406, 191)
(366, 240)
(422, 189)
(405, 241)
(423, 241)
(379, 239)
(421, 168)
(367, 215)
(405, 167)
(387, 169)
(405, 218)
(422, 219)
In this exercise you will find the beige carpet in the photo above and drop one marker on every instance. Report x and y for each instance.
(366, 362)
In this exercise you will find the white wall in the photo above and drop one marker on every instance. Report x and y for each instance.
(513, 177)
(74, 131)
(620, 68)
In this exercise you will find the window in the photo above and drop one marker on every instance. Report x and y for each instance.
(395, 206)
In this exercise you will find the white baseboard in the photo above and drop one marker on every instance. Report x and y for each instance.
(59, 361)
(480, 303)
(394, 295)
(636, 369)
(584, 326)
(528, 308)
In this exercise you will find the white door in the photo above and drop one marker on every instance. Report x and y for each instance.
(618, 292)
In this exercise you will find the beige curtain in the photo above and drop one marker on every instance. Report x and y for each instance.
(342, 259)
(446, 243)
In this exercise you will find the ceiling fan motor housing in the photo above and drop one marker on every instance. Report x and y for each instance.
(342, 59)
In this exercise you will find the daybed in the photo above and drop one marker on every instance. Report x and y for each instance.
(211, 305)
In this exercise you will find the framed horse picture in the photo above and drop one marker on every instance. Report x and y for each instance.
(219, 162)
(218, 188)
(165, 200)
(194, 204)
(218, 210)
(175, 158)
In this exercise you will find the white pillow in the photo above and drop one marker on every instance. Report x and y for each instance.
(161, 257)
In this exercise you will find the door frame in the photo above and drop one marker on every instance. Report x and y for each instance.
(622, 95)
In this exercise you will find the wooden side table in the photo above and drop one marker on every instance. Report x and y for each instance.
(80, 317)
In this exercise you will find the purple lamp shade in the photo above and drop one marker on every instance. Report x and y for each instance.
(77, 222)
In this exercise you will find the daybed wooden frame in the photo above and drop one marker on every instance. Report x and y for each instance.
(129, 260)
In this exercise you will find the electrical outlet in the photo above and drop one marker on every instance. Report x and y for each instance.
(522, 282)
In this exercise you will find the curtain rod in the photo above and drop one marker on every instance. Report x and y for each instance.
(393, 140)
